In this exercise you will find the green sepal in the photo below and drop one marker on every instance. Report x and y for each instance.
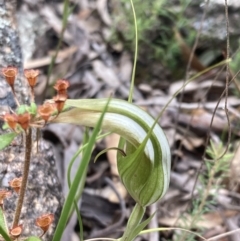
(6, 139)
(142, 180)
(22, 109)
(33, 238)
(32, 109)
(134, 170)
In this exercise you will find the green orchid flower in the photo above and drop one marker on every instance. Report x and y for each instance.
(145, 167)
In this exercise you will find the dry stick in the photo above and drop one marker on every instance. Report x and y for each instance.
(207, 141)
(225, 92)
(186, 77)
(227, 78)
(28, 150)
(191, 57)
(226, 111)
(208, 136)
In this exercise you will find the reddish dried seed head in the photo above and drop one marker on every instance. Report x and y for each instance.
(31, 76)
(10, 74)
(11, 120)
(45, 221)
(46, 110)
(24, 120)
(61, 85)
(15, 184)
(16, 231)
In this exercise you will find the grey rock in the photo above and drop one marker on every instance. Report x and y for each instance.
(214, 25)
(44, 194)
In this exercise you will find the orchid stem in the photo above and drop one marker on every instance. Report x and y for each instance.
(133, 221)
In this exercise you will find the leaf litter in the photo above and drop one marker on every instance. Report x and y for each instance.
(97, 67)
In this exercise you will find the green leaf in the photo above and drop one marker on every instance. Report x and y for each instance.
(82, 182)
(3, 226)
(32, 109)
(3, 223)
(6, 139)
(22, 109)
(4, 234)
(33, 239)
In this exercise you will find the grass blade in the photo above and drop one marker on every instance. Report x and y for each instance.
(77, 179)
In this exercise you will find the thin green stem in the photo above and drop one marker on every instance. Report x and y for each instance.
(77, 154)
(168, 229)
(100, 239)
(81, 184)
(28, 150)
(79, 217)
(133, 221)
(135, 54)
(64, 26)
